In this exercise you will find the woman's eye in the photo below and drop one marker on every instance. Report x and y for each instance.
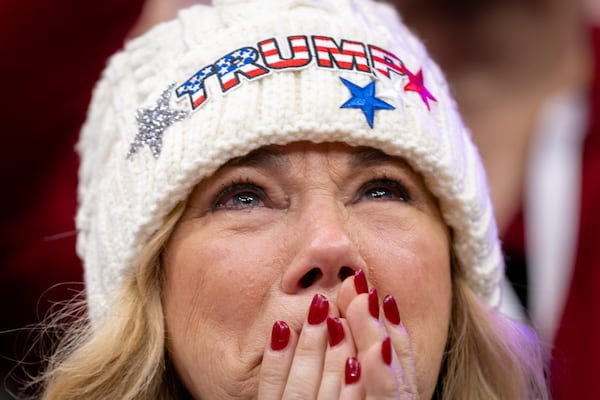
(240, 196)
(384, 189)
(379, 193)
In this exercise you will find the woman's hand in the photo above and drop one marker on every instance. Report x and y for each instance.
(354, 357)
(382, 344)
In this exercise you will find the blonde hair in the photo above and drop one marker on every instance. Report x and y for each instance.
(124, 357)
(489, 356)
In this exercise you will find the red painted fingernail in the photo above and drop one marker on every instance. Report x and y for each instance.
(386, 351)
(390, 309)
(352, 370)
(280, 335)
(335, 330)
(319, 308)
(374, 303)
(360, 282)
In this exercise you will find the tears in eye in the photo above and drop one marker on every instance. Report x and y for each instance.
(239, 195)
(384, 189)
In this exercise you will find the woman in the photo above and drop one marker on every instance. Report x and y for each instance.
(278, 199)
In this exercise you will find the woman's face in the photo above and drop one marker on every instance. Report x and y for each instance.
(268, 231)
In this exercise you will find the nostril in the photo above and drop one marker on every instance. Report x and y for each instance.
(310, 277)
(345, 272)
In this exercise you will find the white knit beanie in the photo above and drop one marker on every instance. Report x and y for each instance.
(223, 80)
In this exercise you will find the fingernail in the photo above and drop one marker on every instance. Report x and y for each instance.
(319, 308)
(352, 370)
(280, 335)
(390, 309)
(374, 303)
(386, 351)
(335, 330)
(360, 282)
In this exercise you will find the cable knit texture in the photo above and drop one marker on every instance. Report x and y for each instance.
(124, 200)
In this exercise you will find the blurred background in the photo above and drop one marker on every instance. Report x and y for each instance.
(52, 53)
(525, 74)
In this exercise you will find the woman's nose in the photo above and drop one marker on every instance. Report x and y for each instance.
(324, 251)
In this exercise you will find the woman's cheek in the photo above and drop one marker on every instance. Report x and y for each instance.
(415, 268)
(234, 278)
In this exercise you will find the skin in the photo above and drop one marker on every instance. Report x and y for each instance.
(265, 234)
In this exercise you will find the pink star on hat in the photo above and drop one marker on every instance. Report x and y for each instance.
(415, 84)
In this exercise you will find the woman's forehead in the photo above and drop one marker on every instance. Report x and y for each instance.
(279, 157)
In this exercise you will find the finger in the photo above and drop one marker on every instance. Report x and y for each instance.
(276, 363)
(379, 379)
(363, 319)
(341, 346)
(353, 388)
(350, 288)
(307, 365)
(403, 357)
(360, 306)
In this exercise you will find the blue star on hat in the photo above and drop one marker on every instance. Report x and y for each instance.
(364, 99)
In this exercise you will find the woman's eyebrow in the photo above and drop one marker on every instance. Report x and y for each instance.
(367, 156)
(263, 158)
(266, 158)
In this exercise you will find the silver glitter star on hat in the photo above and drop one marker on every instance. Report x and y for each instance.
(153, 122)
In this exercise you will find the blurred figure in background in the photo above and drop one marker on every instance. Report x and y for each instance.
(526, 76)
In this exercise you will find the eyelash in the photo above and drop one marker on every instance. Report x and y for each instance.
(237, 188)
(397, 191)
